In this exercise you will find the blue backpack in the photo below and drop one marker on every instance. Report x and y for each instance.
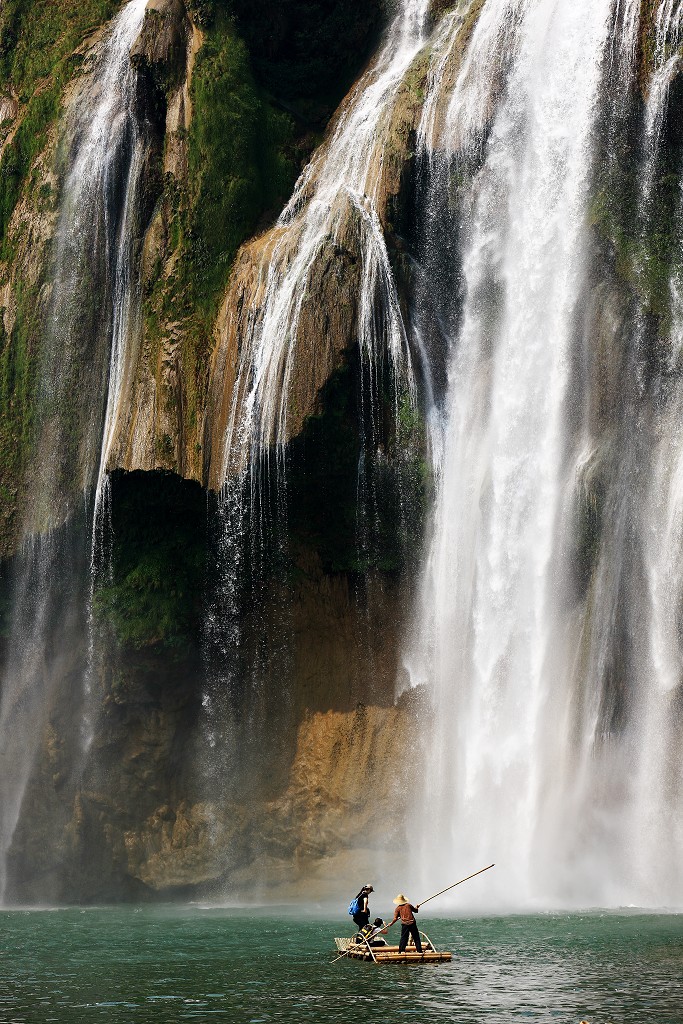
(354, 906)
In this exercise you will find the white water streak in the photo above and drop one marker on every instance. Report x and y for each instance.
(493, 42)
(442, 52)
(657, 792)
(102, 133)
(625, 26)
(666, 62)
(340, 174)
(492, 593)
(102, 125)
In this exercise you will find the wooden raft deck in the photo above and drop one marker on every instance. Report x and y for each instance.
(390, 954)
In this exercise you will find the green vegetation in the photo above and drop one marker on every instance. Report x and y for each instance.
(260, 65)
(265, 81)
(16, 406)
(638, 237)
(35, 36)
(362, 512)
(306, 53)
(154, 597)
(39, 40)
(243, 158)
(37, 59)
(20, 153)
(238, 164)
(647, 41)
(644, 255)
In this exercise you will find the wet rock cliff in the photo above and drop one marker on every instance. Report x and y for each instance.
(137, 790)
(225, 715)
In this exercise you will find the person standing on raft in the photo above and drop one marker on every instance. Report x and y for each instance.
(406, 912)
(362, 916)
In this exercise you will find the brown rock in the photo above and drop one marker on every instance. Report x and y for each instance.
(9, 110)
(326, 329)
(152, 431)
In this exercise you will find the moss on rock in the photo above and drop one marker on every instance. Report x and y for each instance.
(39, 43)
(306, 53)
(154, 596)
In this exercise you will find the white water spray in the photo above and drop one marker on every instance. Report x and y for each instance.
(106, 151)
(491, 646)
(343, 174)
(666, 61)
(99, 206)
(656, 792)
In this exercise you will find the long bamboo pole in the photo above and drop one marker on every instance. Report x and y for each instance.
(421, 904)
(441, 891)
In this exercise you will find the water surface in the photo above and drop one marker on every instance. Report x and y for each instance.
(164, 964)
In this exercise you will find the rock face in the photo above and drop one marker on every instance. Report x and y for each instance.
(152, 430)
(313, 766)
(9, 108)
(178, 397)
(288, 755)
(23, 301)
(177, 415)
(162, 43)
(141, 809)
(326, 333)
(345, 790)
(162, 417)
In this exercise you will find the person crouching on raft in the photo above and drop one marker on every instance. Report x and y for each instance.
(405, 911)
(377, 929)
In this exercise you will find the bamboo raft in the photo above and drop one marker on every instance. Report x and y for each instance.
(361, 949)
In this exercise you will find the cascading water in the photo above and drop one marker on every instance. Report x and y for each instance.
(340, 186)
(86, 350)
(546, 708)
(666, 61)
(549, 628)
(102, 191)
(94, 291)
(656, 814)
(344, 175)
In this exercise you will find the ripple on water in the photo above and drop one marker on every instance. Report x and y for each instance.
(158, 965)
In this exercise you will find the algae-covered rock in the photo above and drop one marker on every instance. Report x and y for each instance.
(162, 43)
(9, 109)
(129, 814)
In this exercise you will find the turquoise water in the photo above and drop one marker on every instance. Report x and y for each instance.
(167, 964)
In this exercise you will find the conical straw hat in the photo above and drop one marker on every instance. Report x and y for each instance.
(400, 899)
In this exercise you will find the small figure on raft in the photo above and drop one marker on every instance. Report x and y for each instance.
(374, 932)
(359, 946)
(359, 908)
(406, 911)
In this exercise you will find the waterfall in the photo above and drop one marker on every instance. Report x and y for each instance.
(337, 198)
(344, 176)
(85, 354)
(525, 760)
(97, 224)
(547, 631)
(666, 60)
(337, 195)
(656, 817)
